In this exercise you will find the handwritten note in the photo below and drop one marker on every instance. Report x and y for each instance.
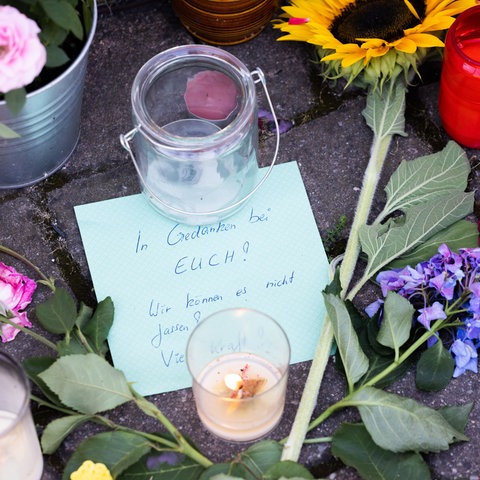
(165, 277)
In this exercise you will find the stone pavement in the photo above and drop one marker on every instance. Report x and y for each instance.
(330, 142)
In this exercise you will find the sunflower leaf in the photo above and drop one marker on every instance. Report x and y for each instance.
(385, 110)
(425, 178)
(461, 234)
(384, 243)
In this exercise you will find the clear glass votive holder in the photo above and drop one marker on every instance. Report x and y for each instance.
(239, 359)
(20, 454)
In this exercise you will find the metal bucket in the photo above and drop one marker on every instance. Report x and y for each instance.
(196, 133)
(48, 125)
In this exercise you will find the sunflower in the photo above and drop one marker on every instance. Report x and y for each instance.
(370, 40)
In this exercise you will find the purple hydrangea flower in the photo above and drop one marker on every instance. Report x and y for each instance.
(466, 357)
(428, 314)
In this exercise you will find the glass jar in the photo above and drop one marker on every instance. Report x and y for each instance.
(196, 133)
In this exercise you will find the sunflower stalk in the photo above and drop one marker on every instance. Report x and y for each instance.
(384, 114)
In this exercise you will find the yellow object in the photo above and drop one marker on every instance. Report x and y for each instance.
(91, 471)
(372, 40)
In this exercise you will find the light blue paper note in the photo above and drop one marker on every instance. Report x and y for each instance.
(165, 277)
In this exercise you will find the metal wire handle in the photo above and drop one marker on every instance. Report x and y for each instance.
(126, 138)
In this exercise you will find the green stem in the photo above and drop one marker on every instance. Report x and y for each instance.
(36, 336)
(183, 446)
(378, 154)
(347, 400)
(293, 445)
(108, 423)
(48, 281)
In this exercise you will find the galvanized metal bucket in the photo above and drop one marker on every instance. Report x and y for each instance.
(48, 125)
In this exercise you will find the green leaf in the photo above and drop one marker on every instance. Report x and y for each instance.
(56, 56)
(99, 325)
(425, 178)
(64, 15)
(355, 362)
(397, 322)
(87, 383)
(385, 110)
(15, 101)
(384, 243)
(7, 132)
(287, 469)
(461, 234)
(400, 424)
(355, 447)
(249, 465)
(435, 368)
(58, 313)
(117, 450)
(71, 347)
(85, 313)
(152, 467)
(457, 416)
(57, 430)
(36, 365)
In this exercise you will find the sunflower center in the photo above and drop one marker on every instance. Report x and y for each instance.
(385, 19)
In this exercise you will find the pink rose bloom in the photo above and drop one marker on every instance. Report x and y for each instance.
(16, 292)
(22, 55)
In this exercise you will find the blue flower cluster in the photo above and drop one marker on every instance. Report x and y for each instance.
(446, 287)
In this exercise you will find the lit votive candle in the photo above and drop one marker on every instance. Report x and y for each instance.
(238, 359)
(20, 453)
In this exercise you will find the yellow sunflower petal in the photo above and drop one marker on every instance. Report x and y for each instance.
(406, 45)
(425, 40)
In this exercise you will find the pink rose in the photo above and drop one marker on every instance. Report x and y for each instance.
(16, 292)
(22, 55)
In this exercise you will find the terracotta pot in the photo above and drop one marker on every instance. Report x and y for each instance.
(225, 22)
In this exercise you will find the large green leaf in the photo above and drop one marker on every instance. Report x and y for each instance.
(354, 360)
(384, 243)
(58, 313)
(462, 234)
(7, 132)
(401, 424)
(426, 178)
(116, 450)
(435, 368)
(57, 430)
(397, 322)
(87, 383)
(355, 447)
(385, 109)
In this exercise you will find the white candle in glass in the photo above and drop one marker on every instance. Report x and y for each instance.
(20, 453)
(239, 393)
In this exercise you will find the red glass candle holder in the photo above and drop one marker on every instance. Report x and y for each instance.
(459, 97)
